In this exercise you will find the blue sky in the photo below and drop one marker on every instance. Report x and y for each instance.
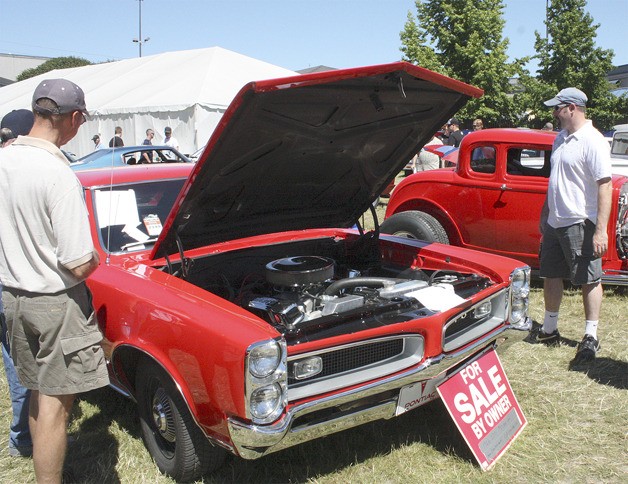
(293, 34)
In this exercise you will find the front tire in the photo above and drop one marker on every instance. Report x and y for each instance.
(414, 224)
(175, 442)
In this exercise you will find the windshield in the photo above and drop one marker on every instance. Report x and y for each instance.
(619, 145)
(129, 217)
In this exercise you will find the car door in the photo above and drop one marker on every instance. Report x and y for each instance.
(524, 172)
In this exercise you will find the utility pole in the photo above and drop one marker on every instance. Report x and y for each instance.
(139, 40)
(547, 5)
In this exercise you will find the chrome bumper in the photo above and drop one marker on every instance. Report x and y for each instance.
(354, 407)
(615, 278)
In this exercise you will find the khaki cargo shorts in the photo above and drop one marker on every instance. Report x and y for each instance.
(567, 253)
(55, 341)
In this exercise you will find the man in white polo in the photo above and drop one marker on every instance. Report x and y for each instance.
(574, 219)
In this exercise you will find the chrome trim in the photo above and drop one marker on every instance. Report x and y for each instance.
(253, 441)
(618, 278)
(499, 312)
(411, 354)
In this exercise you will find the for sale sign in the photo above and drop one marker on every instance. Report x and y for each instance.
(483, 405)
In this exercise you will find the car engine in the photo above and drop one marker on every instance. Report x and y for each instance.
(303, 290)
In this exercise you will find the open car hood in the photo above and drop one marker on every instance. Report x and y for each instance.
(310, 151)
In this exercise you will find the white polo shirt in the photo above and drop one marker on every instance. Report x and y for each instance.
(44, 228)
(578, 161)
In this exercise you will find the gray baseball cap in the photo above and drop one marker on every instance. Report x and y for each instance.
(67, 95)
(569, 95)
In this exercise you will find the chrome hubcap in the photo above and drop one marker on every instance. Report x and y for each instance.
(162, 415)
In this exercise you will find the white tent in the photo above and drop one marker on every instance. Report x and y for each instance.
(186, 90)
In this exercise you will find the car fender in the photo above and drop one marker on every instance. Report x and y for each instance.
(408, 197)
(183, 343)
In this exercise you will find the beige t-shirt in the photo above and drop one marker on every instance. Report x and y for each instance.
(44, 227)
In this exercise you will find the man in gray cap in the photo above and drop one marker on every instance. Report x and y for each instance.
(574, 219)
(47, 253)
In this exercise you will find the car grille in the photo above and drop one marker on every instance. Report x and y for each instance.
(355, 363)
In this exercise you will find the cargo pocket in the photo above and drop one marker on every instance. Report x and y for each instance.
(82, 353)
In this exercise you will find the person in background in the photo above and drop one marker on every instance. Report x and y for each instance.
(16, 123)
(170, 140)
(548, 127)
(47, 253)
(574, 220)
(116, 141)
(477, 124)
(455, 135)
(426, 160)
(443, 134)
(147, 156)
(97, 143)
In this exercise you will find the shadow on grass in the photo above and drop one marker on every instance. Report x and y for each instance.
(94, 456)
(429, 425)
(604, 371)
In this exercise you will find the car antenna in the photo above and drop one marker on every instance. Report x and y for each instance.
(108, 258)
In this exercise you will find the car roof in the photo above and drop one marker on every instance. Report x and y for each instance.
(508, 135)
(99, 177)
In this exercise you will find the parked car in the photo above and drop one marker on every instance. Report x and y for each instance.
(71, 157)
(619, 149)
(197, 154)
(492, 200)
(128, 155)
(243, 313)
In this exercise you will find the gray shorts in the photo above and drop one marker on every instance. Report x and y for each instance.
(55, 341)
(567, 253)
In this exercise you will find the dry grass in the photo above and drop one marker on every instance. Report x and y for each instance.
(576, 432)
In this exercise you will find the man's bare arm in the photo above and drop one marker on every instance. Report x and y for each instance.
(604, 201)
(83, 271)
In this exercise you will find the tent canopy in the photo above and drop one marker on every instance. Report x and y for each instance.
(186, 90)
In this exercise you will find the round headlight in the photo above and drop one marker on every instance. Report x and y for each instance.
(521, 282)
(518, 311)
(264, 359)
(265, 401)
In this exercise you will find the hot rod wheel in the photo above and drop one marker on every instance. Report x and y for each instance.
(415, 225)
(175, 442)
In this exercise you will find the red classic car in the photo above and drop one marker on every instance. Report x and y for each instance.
(241, 310)
(492, 200)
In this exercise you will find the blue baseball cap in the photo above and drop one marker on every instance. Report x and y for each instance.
(569, 95)
(19, 121)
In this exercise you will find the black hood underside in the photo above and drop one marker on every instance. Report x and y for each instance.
(309, 152)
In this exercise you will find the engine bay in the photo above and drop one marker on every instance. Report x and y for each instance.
(310, 289)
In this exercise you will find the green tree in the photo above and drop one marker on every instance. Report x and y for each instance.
(569, 57)
(51, 65)
(415, 49)
(466, 43)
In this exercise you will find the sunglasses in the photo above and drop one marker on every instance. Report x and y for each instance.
(558, 107)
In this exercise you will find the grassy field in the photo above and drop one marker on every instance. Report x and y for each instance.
(576, 433)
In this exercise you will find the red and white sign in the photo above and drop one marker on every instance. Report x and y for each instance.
(483, 405)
